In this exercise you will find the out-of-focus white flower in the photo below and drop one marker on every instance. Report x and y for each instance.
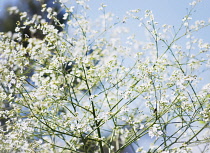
(154, 131)
(17, 29)
(65, 16)
(63, 1)
(13, 9)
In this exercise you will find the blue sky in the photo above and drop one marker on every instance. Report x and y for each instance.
(165, 11)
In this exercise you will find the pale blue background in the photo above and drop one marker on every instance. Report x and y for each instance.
(165, 11)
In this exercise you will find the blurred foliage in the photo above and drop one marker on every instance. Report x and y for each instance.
(8, 21)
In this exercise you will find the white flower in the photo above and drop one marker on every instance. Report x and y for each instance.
(193, 3)
(65, 16)
(80, 2)
(13, 9)
(49, 9)
(154, 131)
(71, 9)
(17, 29)
(139, 149)
(63, 1)
(23, 15)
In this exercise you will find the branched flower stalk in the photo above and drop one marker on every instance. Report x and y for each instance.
(95, 87)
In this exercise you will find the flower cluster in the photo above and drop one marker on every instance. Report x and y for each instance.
(99, 88)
